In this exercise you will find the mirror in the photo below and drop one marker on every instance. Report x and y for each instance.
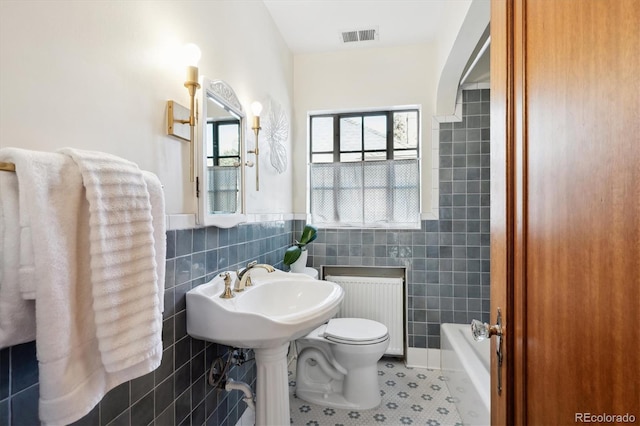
(220, 149)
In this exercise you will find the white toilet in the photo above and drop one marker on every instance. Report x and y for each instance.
(337, 363)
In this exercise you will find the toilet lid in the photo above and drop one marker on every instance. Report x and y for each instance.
(355, 331)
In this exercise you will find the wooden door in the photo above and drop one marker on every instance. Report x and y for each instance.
(566, 219)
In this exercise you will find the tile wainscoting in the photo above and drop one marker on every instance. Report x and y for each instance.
(177, 393)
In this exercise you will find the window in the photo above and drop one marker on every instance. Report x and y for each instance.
(364, 169)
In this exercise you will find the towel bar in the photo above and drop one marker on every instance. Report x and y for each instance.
(7, 167)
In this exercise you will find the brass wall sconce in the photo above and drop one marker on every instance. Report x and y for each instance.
(256, 108)
(176, 112)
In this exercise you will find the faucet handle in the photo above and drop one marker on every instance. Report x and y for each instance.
(242, 271)
(227, 294)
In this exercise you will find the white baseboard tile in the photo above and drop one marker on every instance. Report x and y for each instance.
(416, 358)
(433, 359)
(423, 358)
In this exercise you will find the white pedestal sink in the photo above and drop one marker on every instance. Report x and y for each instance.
(278, 308)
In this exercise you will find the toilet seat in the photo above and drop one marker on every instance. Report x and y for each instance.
(355, 331)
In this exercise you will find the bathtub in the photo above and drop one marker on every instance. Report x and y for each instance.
(466, 364)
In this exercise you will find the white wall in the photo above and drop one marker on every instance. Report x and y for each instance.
(363, 78)
(463, 24)
(97, 74)
(454, 14)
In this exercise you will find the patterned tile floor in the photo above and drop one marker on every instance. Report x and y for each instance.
(410, 396)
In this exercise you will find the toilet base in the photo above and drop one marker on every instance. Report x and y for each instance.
(332, 400)
(358, 390)
(340, 375)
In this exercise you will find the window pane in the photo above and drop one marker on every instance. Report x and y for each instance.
(375, 156)
(321, 158)
(366, 193)
(376, 205)
(349, 157)
(405, 129)
(375, 132)
(321, 134)
(401, 155)
(348, 193)
(322, 184)
(351, 134)
(405, 197)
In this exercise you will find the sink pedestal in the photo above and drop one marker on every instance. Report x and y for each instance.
(272, 386)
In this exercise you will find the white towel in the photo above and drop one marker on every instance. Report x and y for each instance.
(123, 258)
(26, 273)
(17, 316)
(156, 196)
(73, 378)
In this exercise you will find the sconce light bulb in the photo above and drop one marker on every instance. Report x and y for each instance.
(256, 108)
(192, 54)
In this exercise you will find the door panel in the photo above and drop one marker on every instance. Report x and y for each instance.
(583, 208)
(573, 290)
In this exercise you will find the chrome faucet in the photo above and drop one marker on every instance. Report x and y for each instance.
(244, 275)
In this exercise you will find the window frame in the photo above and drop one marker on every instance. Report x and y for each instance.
(338, 116)
(390, 151)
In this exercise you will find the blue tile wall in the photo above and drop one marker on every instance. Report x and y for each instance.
(447, 259)
(177, 392)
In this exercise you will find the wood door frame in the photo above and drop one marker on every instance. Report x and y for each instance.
(519, 285)
(501, 203)
(508, 207)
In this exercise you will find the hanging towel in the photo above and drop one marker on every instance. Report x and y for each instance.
(123, 258)
(17, 316)
(72, 379)
(156, 196)
(73, 375)
(26, 274)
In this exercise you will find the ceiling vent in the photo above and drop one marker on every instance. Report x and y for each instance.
(349, 36)
(366, 34)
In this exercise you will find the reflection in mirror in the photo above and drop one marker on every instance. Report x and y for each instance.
(220, 177)
(223, 160)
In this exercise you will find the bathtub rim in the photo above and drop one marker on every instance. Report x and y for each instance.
(461, 341)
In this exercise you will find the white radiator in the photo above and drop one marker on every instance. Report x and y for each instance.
(374, 298)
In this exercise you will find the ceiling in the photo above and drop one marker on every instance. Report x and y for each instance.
(311, 26)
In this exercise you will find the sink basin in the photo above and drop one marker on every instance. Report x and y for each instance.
(278, 308)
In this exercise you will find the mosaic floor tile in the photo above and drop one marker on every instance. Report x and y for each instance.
(410, 396)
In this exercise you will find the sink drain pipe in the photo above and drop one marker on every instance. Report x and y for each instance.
(245, 388)
(218, 376)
